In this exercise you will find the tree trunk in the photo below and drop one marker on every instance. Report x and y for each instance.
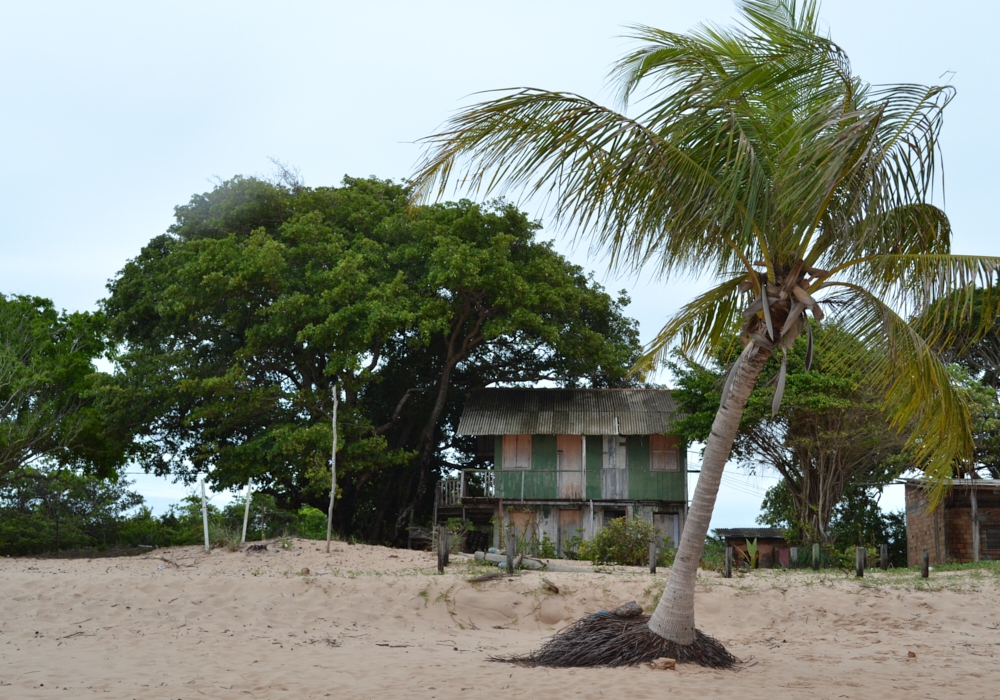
(673, 618)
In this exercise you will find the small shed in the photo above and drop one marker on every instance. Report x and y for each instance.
(964, 527)
(772, 548)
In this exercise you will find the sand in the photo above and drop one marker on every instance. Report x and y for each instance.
(373, 622)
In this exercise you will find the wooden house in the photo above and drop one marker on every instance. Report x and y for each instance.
(560, 463)
(964, 527)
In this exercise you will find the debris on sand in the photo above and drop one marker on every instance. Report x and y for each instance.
(609, 639)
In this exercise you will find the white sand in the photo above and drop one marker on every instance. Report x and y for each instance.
(371, 622)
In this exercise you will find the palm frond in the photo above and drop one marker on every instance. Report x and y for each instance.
(701, 326)
(944, 291)
(919, 398)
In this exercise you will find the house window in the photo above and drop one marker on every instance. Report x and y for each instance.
(517, 452)
(664, 455)
(614, 453)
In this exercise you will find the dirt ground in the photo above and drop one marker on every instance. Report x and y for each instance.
(373, 622)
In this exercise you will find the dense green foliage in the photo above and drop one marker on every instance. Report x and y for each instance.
(235, 326)
(827, 438)
(624, 541)
(857, 520)
(52, 399)
(49, 511)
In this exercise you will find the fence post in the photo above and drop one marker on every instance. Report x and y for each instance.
(652, 556)
(246, 515)
(883, 556)
(447, 547)
(793, 557)
(816, 557)
(511, 544)
(204, 512)
(925, 564)
(442, 543)
(728, 573)
(859, 562)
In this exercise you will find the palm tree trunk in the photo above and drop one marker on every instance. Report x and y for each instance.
(673, 618)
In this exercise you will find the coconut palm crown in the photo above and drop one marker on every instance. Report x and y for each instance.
(758, 160)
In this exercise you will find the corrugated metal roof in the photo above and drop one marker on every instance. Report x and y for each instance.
(751, 533)
(568, 412)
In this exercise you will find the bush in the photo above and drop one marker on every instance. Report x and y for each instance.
(310, 523)
(622, 541)
(713, 557)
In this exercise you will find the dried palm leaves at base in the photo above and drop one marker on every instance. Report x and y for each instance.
(608, 639)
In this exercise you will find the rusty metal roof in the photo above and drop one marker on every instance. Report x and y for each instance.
(750, 533)
(568, 412)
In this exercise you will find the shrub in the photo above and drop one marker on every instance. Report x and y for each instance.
(621, 541)
(713, 557)
(310, 523)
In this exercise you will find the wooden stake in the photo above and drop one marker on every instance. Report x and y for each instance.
(652, 557)
(246, 514)
(204, 512)
(816, 557)
(728, 573)
(333, 470)
(859, 562)
(925, 564)
(511, 545)
(883, 556)
(442, 544)
(793, 557)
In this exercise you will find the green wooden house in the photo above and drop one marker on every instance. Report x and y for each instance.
(562, 462)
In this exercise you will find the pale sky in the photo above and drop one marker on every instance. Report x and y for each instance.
(118, 111)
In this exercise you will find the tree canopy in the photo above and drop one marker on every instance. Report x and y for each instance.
(827, 437)
(237, 325)
(52, 398)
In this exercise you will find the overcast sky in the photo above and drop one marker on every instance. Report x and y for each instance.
(116, 112)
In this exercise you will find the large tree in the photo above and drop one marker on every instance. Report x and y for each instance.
(762, 162)
(52, 398)
(827, 436)
(237, 325)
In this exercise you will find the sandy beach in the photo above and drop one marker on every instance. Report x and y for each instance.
(373, 622)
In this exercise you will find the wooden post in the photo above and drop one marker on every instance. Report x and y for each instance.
(975, 523)
(246, 514)
(728, 573)
(925, 564)
(333, 469)
(442, 543)
(859, 562)
(447, 547)
(511, 545)
(204, 512)
(652, 556)
(883, 556)
(816, 557)
(793, 557)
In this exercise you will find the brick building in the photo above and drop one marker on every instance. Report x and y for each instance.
(947, 533)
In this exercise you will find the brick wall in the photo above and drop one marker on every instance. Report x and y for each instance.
(946, 533)
(924, 529)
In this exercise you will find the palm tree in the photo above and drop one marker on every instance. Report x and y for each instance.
(762, 162)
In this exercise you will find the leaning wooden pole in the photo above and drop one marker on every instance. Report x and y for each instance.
(246, 513)
(333, 470)
(204, 513)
